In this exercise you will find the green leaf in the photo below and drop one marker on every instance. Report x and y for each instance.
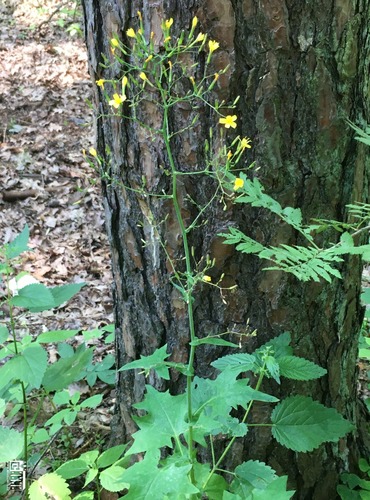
(297, 368)
(302, 424)
(18, 245)
(58, 417)
(56, 336)
(365, 296)
(230, 496)
(61, 398)
(280, 346)
(91, 475)
(35, 297)
(214, 399)
(64, 292)
(111, 479)
(86, 495)
(170, 481)
(92, 402)
(215, 486)
(30, 365)
(254, 473)
(49, 486)
(110, 456)
(3, 404)
(153, 362)
(228, 425)
(272, 367)
(292, 216)
(34, 366)
(166, 414)
(213, 341)
(244, 243)
(11, 444)
(65, 371)
(70, 417)
(346, 494)
(72, 468)
(4, 334)
(90, 457)
(253, 193)
(235, 362)
(40, 436)
(364, 465)
(354, 481)
(276, 490)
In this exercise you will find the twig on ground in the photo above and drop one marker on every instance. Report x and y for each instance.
(47, 21)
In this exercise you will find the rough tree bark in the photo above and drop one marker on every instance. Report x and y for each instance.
(300, 68)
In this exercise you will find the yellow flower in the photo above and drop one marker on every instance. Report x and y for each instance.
(167, 39)
(228, 121)
(117, 100)
(93, 152)
(245, 143)
(207, 278)
(168, 23)
(229, 155)
(124, 81)
(139, 15)
(194, 22)
(143, 76)
(213, 45)
(149, 58)
(114, 42)
(100, 83)
(131, 33)
(238, 183)
(200, 37)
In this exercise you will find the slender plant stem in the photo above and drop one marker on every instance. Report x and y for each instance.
(227, 449)
(189, 283)
(23, 389)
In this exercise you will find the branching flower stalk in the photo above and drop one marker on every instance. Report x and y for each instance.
(149, 68)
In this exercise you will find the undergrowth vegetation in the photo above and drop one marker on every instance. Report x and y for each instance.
(163, 461)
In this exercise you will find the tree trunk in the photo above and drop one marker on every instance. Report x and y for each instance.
(301, 69)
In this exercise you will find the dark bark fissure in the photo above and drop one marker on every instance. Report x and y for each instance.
(300, 69)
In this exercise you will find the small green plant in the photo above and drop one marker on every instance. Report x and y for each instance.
(27, 380)
(353, 487)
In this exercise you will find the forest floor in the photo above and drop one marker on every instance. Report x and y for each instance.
(45, 124)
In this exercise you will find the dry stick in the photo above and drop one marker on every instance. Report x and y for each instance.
(52, 15)
(30, 474)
